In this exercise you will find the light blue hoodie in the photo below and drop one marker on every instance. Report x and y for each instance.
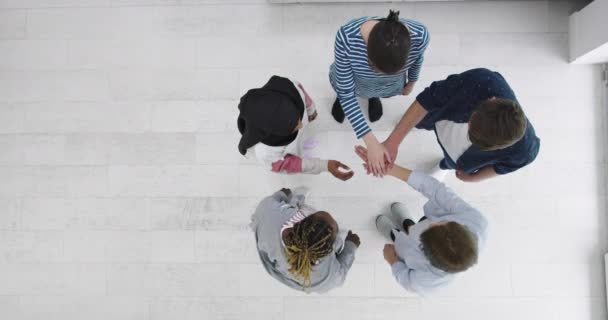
(414, 271)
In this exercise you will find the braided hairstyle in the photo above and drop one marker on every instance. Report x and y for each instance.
(388, 45)
(310, 240)
(497, 123)
(450, 247)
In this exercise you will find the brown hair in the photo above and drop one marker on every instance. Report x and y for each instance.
(497, 123)
(450, 247)
(388, 45)
(310, 240)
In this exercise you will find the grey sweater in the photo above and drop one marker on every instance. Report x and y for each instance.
(267, 222)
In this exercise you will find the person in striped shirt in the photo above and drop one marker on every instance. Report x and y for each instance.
(271, 122)
(375, 58)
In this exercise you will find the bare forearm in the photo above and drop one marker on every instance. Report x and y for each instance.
(484, 173)
(414, 114)
(400, 173)
(370, 139)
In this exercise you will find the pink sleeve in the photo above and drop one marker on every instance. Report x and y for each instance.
(289, 164)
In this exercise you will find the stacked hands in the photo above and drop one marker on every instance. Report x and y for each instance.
(383, 166)
(380, 169)
(334, 166)
(380, 160)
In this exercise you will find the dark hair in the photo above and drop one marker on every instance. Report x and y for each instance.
(310, 240)
(449, 247)
(388, 45)
(497, 123)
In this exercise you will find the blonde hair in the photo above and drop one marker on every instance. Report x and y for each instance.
(310, 240)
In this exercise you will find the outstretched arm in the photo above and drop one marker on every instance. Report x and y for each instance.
(396, 171)
(409, 279)
(345, 88)
(278, 161)
(414, 114)
(290, 164)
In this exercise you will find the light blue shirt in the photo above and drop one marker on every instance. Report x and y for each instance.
(414, 271)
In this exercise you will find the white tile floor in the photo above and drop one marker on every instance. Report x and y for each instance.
(122, 195)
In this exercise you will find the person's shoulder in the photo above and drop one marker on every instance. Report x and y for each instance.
(481, 73)
(353, 26)
(489, 80)
(415, 26)
(532, 141)
(526, 149)
(470, 217)
(350, 34)
(419, 33)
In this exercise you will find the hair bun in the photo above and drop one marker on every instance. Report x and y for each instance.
(393, 16)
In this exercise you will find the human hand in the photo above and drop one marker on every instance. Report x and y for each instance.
(409, 87)
(389, 254)
(313, 116)
(392, 148)
(362, 153)
(333, 166)
(378, 159)
(354, 238)
(286, 191)
(463, 176)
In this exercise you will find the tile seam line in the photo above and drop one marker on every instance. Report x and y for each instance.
(202, 5)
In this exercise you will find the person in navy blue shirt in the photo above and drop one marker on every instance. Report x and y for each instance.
(479, 125)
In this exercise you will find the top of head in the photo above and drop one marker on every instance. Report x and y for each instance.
(388, 44)
(497, 124)
(450, 247)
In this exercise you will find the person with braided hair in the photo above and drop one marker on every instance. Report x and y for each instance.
(299, 246)
(375, 58)
(480, 126)
(447, 240)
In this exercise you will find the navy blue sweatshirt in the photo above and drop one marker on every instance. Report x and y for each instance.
(455, 99)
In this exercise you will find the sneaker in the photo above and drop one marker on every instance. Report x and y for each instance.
(337, 112)
(438, 173)
(375, 109)
(400, 213)
(385, 226)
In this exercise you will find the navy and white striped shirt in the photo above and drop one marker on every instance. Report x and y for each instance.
(351, 75)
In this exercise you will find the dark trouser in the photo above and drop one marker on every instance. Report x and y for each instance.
(407, 223)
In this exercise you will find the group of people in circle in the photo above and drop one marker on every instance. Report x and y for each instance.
(479, 125)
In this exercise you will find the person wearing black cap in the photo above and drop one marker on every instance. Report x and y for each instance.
(270, 122)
